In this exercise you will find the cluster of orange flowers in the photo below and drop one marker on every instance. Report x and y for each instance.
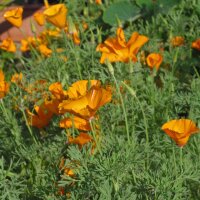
(78, 105)
(116, 49)
(55, 14)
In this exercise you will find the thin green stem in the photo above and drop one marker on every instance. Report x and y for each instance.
(29, 128)
(131, 91)
(94, 136)
(123, 108)
(74, 52)
(181, 158)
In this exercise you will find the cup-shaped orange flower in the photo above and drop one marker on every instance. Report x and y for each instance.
(8, 45)
(14, 16)
(76, 122)
(180, 130)
(196, 44)
(154, 60)
(118, 50)
(4, 86)
(39, 18)
(87, 105)
(56, 15)
(41, 118)
(177, 41)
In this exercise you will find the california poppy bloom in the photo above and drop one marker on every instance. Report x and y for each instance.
(118, 50)
(98, 1)
(24, 45)
(87, 105)
(4, 86)
(8, 45)
(84, 99)
(76, 122)
(177, 41)
(14, 16)
(44, 50)
(56, 15)
(196, 44)
(41, 118)
(180, 130)
(80, 88)
(154, 60)
(39, 18)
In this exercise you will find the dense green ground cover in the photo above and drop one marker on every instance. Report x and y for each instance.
(145, 165)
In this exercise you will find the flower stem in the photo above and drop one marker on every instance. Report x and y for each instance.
(94, 136)
(123, 108)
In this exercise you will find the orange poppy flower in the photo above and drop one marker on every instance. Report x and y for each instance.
(177, 41)
(57, 91)
(77, 122)
(4, 86)
(80, 140)
(118, 50)
(80, 88)
(41, 118)
(14, 16)
(76, 38)
(98, 2)
(56, 15)
(180, 130)
(87, 105)
(196, 44)
(24, 45)
(52, 104)
(39, 18)
(154, 60)
(8, 45)
(44, 50)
